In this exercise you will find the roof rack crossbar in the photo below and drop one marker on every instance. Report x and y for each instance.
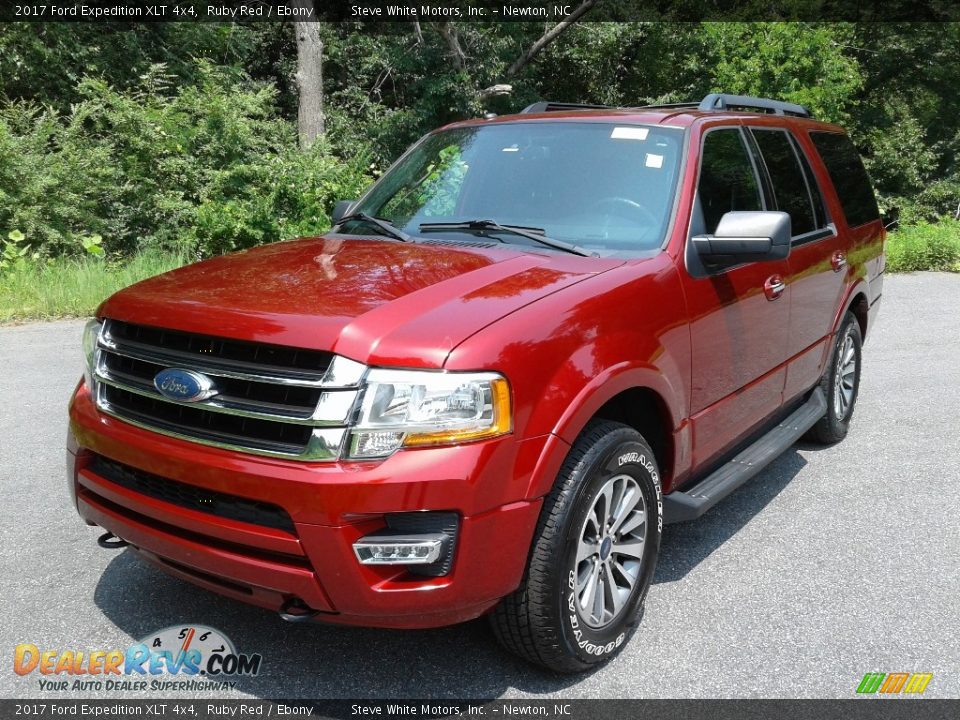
(542, 107)
(722, 101)
(668, 106)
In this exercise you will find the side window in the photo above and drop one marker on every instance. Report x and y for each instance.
(848, 175)
(727, 178)
(790, 190)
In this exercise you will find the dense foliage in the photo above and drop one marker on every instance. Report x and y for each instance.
(207, 166)
(925, 247)
(119, 138)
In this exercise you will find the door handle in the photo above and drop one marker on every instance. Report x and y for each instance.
(774, 287)
(838, 261)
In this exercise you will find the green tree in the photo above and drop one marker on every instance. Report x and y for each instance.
(797, 62)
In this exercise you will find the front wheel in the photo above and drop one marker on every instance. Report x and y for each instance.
(593, 556)
(840, 383)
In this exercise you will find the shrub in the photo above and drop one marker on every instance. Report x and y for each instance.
(49, 188)
(203, 168)
(925, 247)
(289, 194)
(938, 200)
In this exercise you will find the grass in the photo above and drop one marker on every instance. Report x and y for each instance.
(72, 287)
(925, 247)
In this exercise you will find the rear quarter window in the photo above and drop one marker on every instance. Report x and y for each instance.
(849, 177)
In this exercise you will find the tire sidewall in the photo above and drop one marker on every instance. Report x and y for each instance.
(850, 328)
(621, 454)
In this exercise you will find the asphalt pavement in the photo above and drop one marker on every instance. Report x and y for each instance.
(832, 563)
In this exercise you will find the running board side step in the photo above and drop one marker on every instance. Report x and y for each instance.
(680, 506)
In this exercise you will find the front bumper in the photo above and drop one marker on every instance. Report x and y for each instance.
(331, 505)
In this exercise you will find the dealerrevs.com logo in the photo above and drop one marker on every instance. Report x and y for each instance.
(200, 657)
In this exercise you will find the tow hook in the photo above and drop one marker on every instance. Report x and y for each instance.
(296, 610)
(111, 542)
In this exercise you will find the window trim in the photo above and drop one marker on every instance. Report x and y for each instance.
(827, 231)
(812, 185)
(763, 171)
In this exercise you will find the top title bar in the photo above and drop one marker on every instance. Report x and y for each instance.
(385, 12)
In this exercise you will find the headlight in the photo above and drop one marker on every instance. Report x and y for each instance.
(412, 408)
(91, 334)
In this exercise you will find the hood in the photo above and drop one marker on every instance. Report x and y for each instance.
(375, 301)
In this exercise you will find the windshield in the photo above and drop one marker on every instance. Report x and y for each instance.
(602, 186)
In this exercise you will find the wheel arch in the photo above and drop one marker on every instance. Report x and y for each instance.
(637, 397)
(860, 308)
(646, 412)
(857, 303)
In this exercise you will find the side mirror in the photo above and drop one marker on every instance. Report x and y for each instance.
(341, 210)
(746, 236)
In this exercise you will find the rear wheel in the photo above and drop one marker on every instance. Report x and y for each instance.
(840, 383)
(593, 556)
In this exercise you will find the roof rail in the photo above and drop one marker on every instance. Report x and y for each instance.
(722, 101)
(711, 103)
(542, 107)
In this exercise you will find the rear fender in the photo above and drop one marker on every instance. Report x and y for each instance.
(857, 288)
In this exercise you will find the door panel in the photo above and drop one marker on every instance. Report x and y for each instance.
(804, 370)
(739, 331)
(816, 283)
(739, 346)
(817, 292)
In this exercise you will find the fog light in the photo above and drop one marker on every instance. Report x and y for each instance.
(399, 549)
(375, 444)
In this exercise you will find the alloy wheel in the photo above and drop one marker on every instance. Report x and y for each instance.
(610, 551)
(844, 382)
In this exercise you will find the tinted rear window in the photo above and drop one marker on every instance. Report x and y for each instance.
(848, 175)
(789, 185)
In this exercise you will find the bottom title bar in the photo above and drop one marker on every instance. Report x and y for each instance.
(865, 709)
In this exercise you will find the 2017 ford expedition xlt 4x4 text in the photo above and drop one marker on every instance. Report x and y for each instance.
(535, 339)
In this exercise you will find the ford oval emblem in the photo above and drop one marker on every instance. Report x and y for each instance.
(183, 385)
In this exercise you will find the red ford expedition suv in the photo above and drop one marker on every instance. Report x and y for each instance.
(532, 342)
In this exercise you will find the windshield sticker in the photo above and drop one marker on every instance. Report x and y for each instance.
(629, 133)
(654, 161)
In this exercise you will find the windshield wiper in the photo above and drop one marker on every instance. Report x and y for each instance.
(384, 226)
(535, 234)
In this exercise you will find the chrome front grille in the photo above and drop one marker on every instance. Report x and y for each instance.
(270, 400)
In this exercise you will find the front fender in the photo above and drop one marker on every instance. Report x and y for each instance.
(568, 354)
(577, 409)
